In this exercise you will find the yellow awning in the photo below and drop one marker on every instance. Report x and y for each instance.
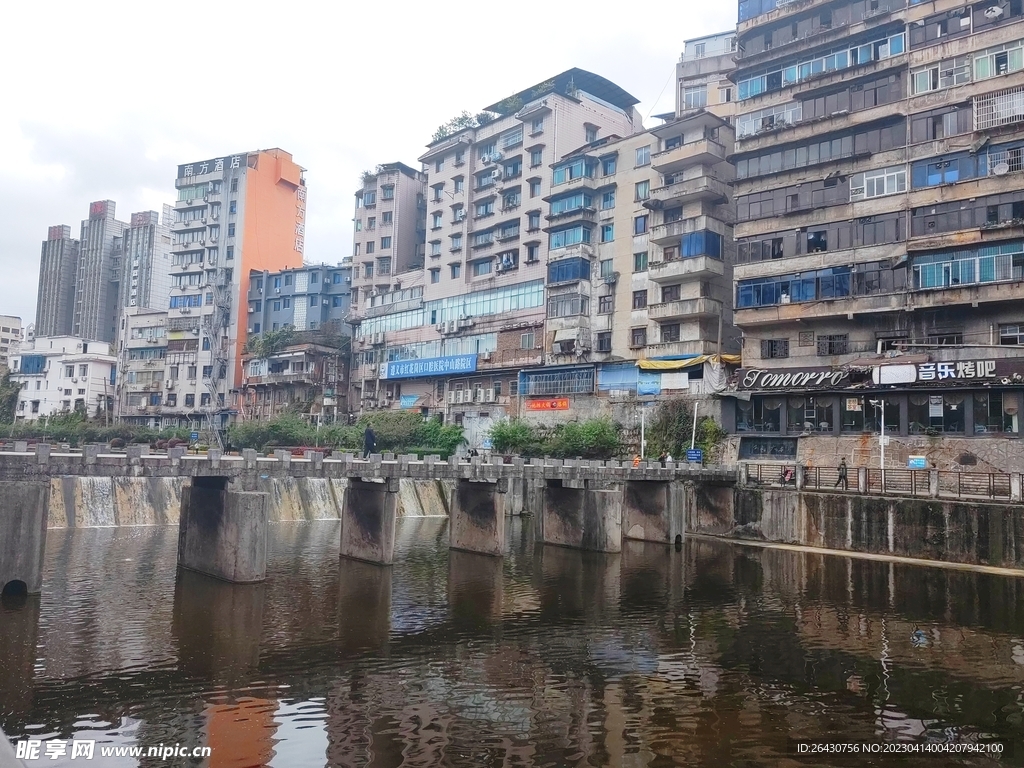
(675, 365)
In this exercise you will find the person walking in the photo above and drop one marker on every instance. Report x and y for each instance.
(842, 476)
(369, 442)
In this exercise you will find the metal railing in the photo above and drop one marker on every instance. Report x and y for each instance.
(900, 482)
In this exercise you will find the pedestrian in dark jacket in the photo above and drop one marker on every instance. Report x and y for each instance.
(369, 442)
(842, 476)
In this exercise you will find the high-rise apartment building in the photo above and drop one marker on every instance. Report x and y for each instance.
(233, 214)
(453, 337)
(391, 215)
(146, 261)
(98, 279)
(880, 249)
(58, 274)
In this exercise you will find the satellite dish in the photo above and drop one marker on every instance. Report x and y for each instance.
(1001, 169)
(993, 12)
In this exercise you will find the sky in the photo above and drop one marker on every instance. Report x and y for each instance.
(104, 100)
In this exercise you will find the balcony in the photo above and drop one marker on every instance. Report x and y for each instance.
(691, 190)
(693, 267)
(306, 377)
(703, 152)
(673, 231)
(684, 308)
(678, 348)
(576, 214)
(510, 358)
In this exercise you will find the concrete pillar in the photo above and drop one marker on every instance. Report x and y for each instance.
(652, 511)
(249, 458)
(801, 476)
(584, 518)
(223, 533)
(134, 454)
(368, 521)
(862, 479)
(43, 453)
(1015, 486)
(21, 446)
(933, 482)
(217, 626)
(90, 454)
(175, 454)
(23, 516)
(478, 518)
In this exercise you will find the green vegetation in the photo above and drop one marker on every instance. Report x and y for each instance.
(75, 429)
(269, 343)
(509, 105)
(670, 430)
(396, 432)
(8, 399)
(591, 439)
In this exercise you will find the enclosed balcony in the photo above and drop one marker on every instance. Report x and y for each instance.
(680, 348)
(691, 190)
(692, 267)
(703, 152)
(684, 308)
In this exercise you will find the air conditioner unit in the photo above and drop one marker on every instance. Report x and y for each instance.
(442, 327)
(488, 356)
(251, 310)
(460, 215)
(169, 384)
(496, 156)
(496, 174)
(250, 329)
(347, 280)
(378, 338)
(74, 381)
(278, 290)
(488, 395)
(451, 398)
(453, 326)
(459, 394)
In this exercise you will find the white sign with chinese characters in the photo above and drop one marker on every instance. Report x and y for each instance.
(216, 165)
(927, 373)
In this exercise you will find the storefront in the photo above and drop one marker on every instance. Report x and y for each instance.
(968, 398)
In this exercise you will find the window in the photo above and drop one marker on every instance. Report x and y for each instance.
(568, 305)
(640, 262)
(387, 192)
(574, 169)
(460, 184)
(206, 344)
(439, 165)
(995, 412)
(233, 206)
(698, 50)
(607, 233)
(435, 248)
(643, 156)
(536, 157)
(190, 401)
(481, 268)
(69, 371)
(234, 185)
(563, 238)
(643, 190)
(835, 344)
(1011, 334)
(438, 189)
(456, 243)
(460, 157)
(483, 209)
(607, 166)
(591, 133)
(436, 220)
(607, 267)
(640, 225)
(526, 341)
(172, 399)
(702, 243)
(369, 247)
(639, 299)
(535, 188)
(605, 304)
(774, 348)
(670, 332)
(604, 341)
(385, 242)
(637, 337)
(456, 270)
(608, 200)
(567, 270)
(230, 252)
(207, 371)
(724, 95)
(387, 217)
(695, 97)
(533, 220)
(537, 125)
(288, 302)
(817, 241)
(885, 181)
(670, 293)
(532, 254)
(204, 399)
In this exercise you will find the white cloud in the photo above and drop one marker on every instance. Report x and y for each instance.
(105, 103)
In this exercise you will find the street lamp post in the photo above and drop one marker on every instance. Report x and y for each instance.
(880, 404)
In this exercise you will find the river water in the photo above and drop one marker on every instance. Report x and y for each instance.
(718, 654)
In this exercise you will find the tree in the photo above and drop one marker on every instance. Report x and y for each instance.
(458, 123)
(269, 343)
(8, 398)
(671, 428)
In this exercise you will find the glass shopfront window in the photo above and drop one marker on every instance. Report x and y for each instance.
(995, 412)
(759, 414)
(936, 414)
(862, 413)
(809, 414)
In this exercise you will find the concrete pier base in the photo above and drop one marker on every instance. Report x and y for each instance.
(368, 521)
(24, 508)
(653, 511)
(223, 533)
(583, 518)
(478, 517)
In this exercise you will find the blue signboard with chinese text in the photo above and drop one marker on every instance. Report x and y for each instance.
(433, 366)
(695, 455)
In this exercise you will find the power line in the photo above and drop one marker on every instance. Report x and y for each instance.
(672, 74)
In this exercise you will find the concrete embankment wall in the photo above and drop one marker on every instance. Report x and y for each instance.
(970, 532)
(93, 502)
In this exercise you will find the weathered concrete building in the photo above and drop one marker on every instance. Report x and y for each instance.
(880, 247)
(146, 262)
(64, 374)
(58, 270)
(98, 276)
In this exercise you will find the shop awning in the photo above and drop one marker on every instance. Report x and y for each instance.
(676, 365)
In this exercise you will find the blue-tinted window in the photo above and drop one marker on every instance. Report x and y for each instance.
(702, 243)
(568, 269)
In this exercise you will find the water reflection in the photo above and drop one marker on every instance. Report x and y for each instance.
(714, 655)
